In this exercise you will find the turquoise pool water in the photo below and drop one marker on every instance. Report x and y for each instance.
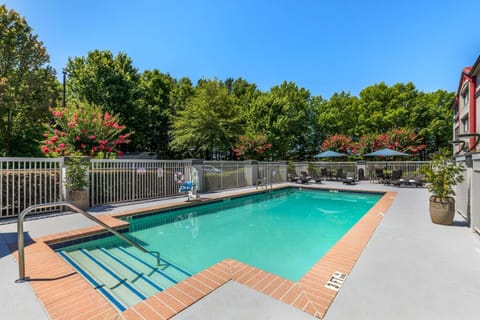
(284, 232)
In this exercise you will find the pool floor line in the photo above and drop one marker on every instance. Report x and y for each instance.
(66, 295)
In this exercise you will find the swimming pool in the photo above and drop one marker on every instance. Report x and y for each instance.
(283, 232)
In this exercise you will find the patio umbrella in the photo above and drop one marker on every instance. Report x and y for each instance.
(330, 154)
(385, 153)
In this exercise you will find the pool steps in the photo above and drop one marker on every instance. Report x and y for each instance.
(122, 274)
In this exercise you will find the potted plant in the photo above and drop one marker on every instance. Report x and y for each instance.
(442, 176)
(77, 181)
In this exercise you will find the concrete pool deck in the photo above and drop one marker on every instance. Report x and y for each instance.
(410, 268)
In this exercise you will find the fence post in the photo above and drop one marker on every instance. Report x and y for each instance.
(63, 180)
(251, 172)
(197, 165)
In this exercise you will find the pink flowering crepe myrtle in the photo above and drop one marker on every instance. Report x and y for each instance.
(84, 129)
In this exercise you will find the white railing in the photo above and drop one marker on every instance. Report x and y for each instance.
(29, 181)
(114, 181)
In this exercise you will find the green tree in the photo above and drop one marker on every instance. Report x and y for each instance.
(284, 116)
(27, 85)
(210, 121)
(339, 115)
(112, 83)
(156, 89)
(431, 117)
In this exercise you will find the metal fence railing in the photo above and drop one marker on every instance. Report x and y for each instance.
(28, 181)
(219, 175)
(362, 169)
(272, 172)
(113, 181)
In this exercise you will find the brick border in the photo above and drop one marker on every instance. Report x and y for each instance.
(67, 295)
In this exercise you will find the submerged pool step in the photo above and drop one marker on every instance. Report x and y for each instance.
(124, 276)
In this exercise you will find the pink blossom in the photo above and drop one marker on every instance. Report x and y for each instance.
(54, 139)
(61, 145)
(120, 153)
(57, 114)
(78, 138)
(91, 137)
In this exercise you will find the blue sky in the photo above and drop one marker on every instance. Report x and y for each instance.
(323, 46)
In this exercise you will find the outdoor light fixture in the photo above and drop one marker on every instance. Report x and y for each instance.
(458, 142)
(471, 135)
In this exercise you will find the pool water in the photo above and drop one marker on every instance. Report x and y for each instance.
(284, 232)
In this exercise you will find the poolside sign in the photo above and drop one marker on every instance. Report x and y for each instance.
(336, 281)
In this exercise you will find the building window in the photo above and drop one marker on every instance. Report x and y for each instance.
(465, 124)
(465, 96)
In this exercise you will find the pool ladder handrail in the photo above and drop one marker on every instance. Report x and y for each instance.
(264, 183)
(21, 239)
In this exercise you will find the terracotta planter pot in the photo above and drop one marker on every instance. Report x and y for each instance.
(442, 211)
(79, 198)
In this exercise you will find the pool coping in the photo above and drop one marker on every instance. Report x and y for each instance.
(67, 295)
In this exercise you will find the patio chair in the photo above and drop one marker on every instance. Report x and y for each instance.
(339, 175)
(396, 178)
(350, 178)
(417, 181)
(303, 177)
(292, 176)
(324, 173)
(316, 177)
(379, 176)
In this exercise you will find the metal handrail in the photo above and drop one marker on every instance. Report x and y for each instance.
(21, 240)
(264, 183)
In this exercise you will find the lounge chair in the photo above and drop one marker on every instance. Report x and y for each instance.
(396, 178)
(417, 181)
(292, 176)
(305, 175)
(303, 178)
(316, 177)
(350, 178)
(339, 175)
(324, 173)
(379, 176)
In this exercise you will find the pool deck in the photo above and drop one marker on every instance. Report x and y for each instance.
(410, 269)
